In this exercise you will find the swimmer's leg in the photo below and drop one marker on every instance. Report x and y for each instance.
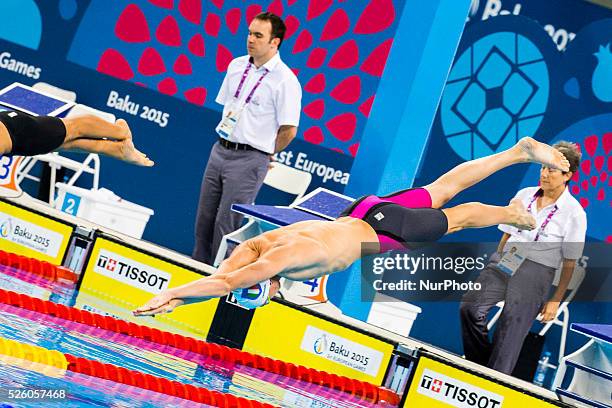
(6, 144)
(90, 126)
(478, 215)
(471, 172)
(410, 198)
(122, 150)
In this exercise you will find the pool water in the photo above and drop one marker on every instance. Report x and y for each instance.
(80, 390)
(135, 354)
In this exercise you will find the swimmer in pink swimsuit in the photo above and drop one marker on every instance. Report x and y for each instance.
(311, 249)
(401, 218)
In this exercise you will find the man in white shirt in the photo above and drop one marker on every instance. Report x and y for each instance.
(522, 272)
(261, 100)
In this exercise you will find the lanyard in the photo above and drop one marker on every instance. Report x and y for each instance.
(241, 84)
(548, 217)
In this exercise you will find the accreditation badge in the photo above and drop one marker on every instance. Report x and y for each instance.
(512, 260)
(230, 120)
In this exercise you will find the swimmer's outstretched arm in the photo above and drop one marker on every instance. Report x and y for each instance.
(242, 269)
(197, 291)
(287, 252)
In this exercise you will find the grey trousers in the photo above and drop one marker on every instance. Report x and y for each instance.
(524, 293)
(231, 177)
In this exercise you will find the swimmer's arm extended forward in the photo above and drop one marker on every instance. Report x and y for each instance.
(241, 270)
(196, 291)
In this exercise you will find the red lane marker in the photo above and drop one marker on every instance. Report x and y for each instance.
(351, 386)
(161, 385)
(37, 267)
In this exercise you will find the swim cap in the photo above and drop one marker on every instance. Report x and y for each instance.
(255, 296)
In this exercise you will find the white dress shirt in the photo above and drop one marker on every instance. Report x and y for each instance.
(562, 238)
(276, 101)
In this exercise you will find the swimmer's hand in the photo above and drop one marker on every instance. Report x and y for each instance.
(165, 302)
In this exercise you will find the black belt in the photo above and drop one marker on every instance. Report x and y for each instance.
(237, 146)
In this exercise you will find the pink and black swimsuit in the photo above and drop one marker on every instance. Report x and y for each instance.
(401, 219)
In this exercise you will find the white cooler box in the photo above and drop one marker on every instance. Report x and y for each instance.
(104, 208)
(393, 315)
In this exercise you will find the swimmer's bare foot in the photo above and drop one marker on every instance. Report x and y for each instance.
(519, 217)
(129, 154)
(126, 133)
(534, 151)
(127, 151)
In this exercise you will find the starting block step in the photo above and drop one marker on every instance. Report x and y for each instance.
(591, 370)
(568, 396)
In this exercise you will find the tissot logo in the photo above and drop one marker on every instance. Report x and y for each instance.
(131, 272)
(436, 386)
(107, 263)
(456, 393)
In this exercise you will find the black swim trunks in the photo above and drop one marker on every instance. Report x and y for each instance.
(401, 219)
(32, 135)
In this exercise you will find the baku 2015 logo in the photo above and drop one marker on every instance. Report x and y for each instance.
(5, 228)
(320, 345)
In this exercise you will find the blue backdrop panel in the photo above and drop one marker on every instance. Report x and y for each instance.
(23, 23)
